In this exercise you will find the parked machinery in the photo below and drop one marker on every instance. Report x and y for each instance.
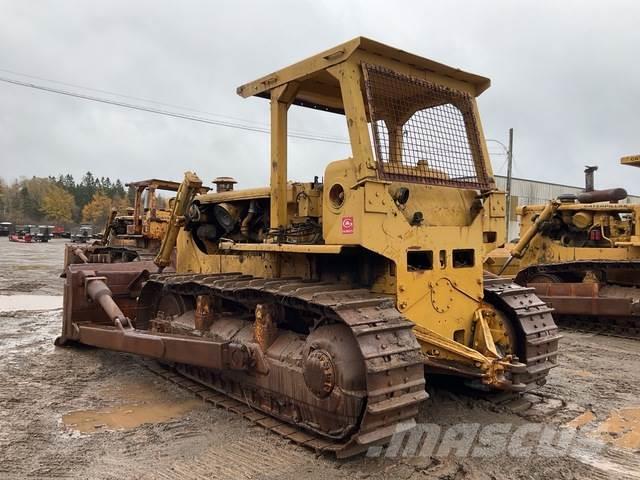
(42, 233)
(582, 255)
(133, 233)
(6, 228)
(83, 234)
(320, 304)
(142, 227)
(21, 234)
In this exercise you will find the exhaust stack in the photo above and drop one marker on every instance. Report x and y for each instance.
(589, 181)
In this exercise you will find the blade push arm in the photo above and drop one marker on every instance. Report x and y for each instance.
(109, 226)
(184, 196)
(518, 250)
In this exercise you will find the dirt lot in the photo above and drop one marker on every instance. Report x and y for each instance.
(69, 413)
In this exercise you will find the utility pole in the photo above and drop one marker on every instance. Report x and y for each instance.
(509, 168)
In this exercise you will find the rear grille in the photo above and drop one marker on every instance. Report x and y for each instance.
(423, 132)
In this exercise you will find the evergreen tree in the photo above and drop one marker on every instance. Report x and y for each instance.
(118, 189)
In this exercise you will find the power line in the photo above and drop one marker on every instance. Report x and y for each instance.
(131, 97)
(184, 116)
(259, 127)
(164, 104)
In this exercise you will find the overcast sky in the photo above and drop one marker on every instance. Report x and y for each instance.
(564, 74)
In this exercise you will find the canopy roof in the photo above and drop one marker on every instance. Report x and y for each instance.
(159, 184)
(633, 160)
(319, 89)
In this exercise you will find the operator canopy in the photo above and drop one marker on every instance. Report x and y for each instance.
(422, 113)
(320, 90)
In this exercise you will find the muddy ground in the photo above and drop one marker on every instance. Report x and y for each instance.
(85, 413)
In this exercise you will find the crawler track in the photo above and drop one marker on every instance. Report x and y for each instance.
(538, 334)
(179, 376)
(393, 367)
(391, 354)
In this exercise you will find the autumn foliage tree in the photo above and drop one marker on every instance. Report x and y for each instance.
(58, 204)
(98, 209)
(58, 200)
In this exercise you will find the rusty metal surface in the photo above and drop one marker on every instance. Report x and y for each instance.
(423, 132)
(179, 349)
(194, 383)
(579, 267)
(371, 380)
(599, 307)
(392, 382)
(609, 195)
(204, 314)
(124, 281)
(339, 410)
(343, 417)
(75, 254)
(265, 329)
(587, 299)
(591, 307)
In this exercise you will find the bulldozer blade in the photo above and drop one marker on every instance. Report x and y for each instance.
(124, 281)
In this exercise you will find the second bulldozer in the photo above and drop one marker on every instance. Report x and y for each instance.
(133, 234)
(319, 305)
(581, 253)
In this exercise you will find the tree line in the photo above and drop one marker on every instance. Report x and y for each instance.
(61, 200)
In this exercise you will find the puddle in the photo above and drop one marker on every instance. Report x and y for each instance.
(140, 403)
(622, 428)
(10, 303)
(128, 415)
(581, 420)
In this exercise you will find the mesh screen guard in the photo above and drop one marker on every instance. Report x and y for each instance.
(423, 132)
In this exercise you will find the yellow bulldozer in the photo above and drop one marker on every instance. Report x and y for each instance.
(581, 253)
(321, 304)
(134, 233)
